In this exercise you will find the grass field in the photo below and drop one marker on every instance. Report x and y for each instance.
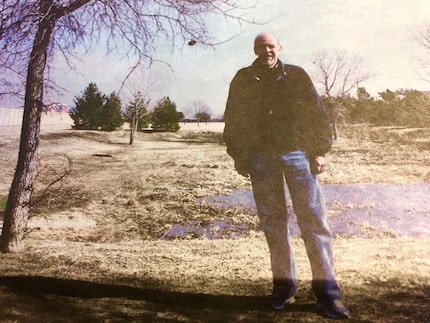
(95, 249)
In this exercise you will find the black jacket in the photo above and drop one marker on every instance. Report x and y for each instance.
(275, 111)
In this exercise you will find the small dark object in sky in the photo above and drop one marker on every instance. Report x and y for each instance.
(192, 42)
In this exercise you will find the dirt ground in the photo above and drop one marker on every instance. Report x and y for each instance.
(98, 250)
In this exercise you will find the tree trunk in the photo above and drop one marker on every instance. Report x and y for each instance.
(18, 203)
(131, 136)
(133, 128)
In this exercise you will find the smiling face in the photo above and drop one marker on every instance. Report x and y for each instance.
(267, 48)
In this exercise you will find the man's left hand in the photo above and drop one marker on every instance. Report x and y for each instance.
(318, 165)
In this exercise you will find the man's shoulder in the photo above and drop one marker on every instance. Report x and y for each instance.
(243, 74)
(245, 70)
(249, 71)
(293, 68)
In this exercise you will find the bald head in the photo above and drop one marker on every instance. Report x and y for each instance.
(267, 48)
(263, 35)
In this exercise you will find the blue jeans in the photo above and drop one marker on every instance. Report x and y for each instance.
(267, 177)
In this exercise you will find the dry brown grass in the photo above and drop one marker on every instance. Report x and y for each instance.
(94, 251)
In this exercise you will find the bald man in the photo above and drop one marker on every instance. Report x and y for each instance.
(277, 131)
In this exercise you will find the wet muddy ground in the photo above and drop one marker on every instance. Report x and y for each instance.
(360, 210)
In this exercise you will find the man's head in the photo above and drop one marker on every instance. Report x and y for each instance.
(267, 48)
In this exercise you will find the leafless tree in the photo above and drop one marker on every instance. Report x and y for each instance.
(421, 34)
(32, 31)
(138, 90)
(337, 74)
(424, 35)
(137, 113)
(141, 82)
(201, 111)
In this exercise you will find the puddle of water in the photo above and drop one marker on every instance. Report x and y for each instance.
(354, 210)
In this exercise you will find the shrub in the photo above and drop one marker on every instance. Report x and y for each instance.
(95, 111)
(165, 117)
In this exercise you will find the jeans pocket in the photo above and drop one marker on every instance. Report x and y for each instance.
(296, 161)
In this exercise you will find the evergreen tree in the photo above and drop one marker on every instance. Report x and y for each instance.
(96, 111)
(165, 117)
(363, 108)
(415, 109)
(88, 109)
(111, 116)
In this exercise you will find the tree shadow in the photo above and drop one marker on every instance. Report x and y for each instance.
(86, 301)
(38, 298)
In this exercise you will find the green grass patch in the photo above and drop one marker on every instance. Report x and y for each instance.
(3, 201)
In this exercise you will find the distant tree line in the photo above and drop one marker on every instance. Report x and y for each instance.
(96, 111)
(409, 108)
(338, 73)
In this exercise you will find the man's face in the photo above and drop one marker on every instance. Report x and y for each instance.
(267, 49)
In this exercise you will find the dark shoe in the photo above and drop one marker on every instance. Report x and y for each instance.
(281, 297)
(280, 302)
(333, 309)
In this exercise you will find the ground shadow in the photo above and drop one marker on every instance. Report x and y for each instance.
(66, 298)
(36, 298)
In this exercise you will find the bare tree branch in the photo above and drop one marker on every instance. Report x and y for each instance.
(132, 28)
(338, 73)
(33, 31)
(421, 34)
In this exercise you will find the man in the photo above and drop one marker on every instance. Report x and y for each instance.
(276, 128)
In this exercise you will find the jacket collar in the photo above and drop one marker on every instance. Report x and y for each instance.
(260, 71)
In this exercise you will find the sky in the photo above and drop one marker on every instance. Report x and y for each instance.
(377, 31)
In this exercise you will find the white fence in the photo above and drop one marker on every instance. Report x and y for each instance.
(11, 119)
